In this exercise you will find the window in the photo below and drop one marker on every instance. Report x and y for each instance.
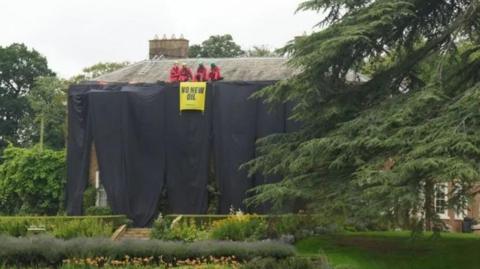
(441, 192)
(459, 213)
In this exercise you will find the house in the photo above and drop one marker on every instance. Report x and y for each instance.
(236, 129)
(454, 220)
(163, 53)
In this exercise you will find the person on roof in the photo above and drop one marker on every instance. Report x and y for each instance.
(175, 73)
(185, 73)
(214, 74)
(202, 73)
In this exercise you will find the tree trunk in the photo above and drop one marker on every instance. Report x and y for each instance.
(429, 204)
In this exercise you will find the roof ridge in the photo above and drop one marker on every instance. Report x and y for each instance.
(233, 69)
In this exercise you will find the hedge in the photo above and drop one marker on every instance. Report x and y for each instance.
(63, 226)
(277, 225)
(207, 220)
(48, 251)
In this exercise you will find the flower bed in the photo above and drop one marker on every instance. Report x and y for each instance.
(236, 226)
(48, 251)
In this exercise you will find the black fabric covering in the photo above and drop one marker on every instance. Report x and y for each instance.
(128, 129)
(79, 144)
(188, 137)
(143, 144)
(234, 127)
(78, 154)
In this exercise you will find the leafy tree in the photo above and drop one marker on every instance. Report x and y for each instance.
(32, 181)
(47, 122)
(261, 51)
(19, 66)
(375, 150)
(217, 46)
(97, 70)
(195, 51)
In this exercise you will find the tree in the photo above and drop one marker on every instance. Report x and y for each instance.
(261, 51)
(217, 46)
(47, 122)
(96, 70)
(376, 150)
(19, 66)
(195, 51)
(32, 181)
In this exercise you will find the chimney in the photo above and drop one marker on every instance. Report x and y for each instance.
(172, 48)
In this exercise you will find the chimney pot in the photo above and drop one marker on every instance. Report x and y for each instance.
(168, 48)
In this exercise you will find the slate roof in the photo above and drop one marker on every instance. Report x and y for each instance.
(233, 69)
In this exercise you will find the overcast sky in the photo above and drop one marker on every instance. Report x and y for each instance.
(73, 34)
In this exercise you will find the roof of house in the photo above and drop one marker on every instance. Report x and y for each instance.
(233, 69)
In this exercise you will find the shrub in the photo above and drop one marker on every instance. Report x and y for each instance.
(89, 197)
(48, 251)
(282, 225)
(177, 230)
(288, 227)
(200, 220)
(298, 225)
(98, 211)
(83, 228)
(13, 228)
(240, 227)
(64, 227)
(31, 181)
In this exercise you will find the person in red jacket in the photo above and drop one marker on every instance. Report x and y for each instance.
(202, 73)
(175, 73)
(214, 73)
(185, 73)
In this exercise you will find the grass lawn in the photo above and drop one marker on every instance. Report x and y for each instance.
(395, 250)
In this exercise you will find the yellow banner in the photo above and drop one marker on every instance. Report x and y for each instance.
(192, 95)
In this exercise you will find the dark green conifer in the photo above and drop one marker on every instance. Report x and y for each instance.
(374, 150)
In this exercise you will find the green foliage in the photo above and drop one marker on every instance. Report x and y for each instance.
(47, 251)
(195, 51)
(31, 181)
(177, 230)
(261, 51)
(299, 226)
(14, 227)
(239, 227)
(87, 227)
(63, 227)
(19, 66)
(217, 46)
(46, 124)
(200, 220)
(372, 150)
(98, 211)
(96, 70)
(89, 197)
